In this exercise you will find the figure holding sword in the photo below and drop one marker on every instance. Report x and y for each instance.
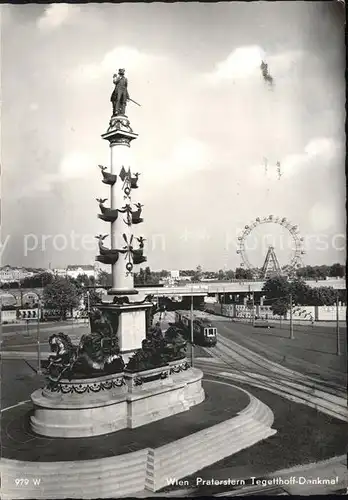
(120, 96)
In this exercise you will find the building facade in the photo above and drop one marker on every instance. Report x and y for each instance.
(10, 274)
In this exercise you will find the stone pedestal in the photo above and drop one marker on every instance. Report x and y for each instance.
(81, 408)
(129, 322)
(92, 407)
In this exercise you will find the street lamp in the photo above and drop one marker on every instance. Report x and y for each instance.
(338, 347)
(291, 320)
(192, 349)
(251, 295)
(20, 292)
(253, 310)
(39, 372)
(88, 302)
(0, 318)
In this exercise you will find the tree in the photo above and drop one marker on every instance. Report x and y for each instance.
(221, 275)
(146, 277)
(94, 298)
(313, 272)
(139, 278)
(82, 284)
(37, 281)
(277, 292)
(243, 274)
(276, 288)
(150, 278)
(197, 275)
(337, 271)
(164, 274)
(230, 275)
(81, 280)
(9, 285)
(322, 296)
(104, 278)
(61, 294)
(280, 307)
(300, 292)
(280, 289)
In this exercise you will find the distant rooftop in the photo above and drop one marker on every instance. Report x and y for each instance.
(86, 267)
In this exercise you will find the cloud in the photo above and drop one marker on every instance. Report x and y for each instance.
(241, 63)
(120, 57)
(322, 146)
(244, 63)
(323, 217)
(55, 15)
(76, 165)
(321, 149)
(188, 156)
(6, 15)
(41, 185)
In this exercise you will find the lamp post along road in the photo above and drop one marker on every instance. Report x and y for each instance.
(253, 311)
(88, 303)
(39, 372)
(0, 318)
(291, 322)
(192, 350)
(338, 347)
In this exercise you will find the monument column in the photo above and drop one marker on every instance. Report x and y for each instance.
(120, 135)
(128, 318)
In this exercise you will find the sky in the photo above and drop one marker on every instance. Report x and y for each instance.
(211, 130)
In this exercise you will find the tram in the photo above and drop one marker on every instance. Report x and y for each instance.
(204, 333)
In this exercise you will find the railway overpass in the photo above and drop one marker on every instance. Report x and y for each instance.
(228, 287)
(193, 289)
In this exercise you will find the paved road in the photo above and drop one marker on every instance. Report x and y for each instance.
(19, 328)
(261, 358)
(26, 340)
(312, 351)
(243, 356)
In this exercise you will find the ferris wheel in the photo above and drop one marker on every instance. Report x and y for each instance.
(297, 250)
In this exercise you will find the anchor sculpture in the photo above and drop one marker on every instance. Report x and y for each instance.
(128, 252)
(127, 209)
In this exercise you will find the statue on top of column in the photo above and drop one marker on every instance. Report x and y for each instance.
(120, 94)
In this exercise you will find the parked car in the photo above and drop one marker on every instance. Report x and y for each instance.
(262, 323)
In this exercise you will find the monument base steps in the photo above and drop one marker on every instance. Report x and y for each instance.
(133, 472)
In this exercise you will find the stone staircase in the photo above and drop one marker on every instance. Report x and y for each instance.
(148, 469)
(102, 478)
(193, 453)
